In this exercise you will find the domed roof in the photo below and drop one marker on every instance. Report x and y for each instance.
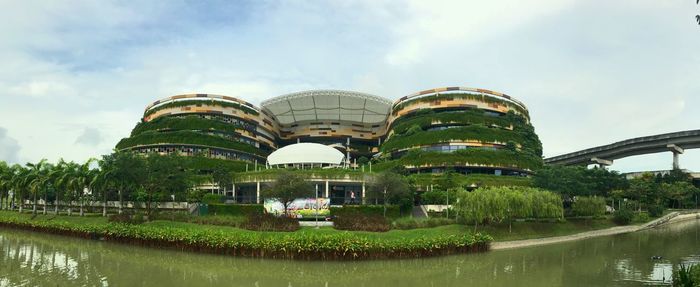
(336, 105)
(305, 153)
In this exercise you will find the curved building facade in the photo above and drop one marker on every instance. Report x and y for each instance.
(213, 126)
(462, 129)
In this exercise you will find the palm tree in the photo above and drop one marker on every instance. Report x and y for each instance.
(5, 183)
(104, 180)
(67, 182)
(19, 184)
(56, 175)
(81, 177)
(38, 172)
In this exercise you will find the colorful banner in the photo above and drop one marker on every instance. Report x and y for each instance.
(300, 207)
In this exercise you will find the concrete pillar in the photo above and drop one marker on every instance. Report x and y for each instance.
(676, 150)
(233, 190)
(364, 201)
(675, 161)
(257, 192)
(328, 192)
(602, 163)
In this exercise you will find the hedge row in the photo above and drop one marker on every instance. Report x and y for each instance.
(237, 242)
(200, 103)
(478, 133)
(236, 209)
(478, 97)
(392, 211)
(499, 158)
(187, 137)
(467, 116)
(183, 123)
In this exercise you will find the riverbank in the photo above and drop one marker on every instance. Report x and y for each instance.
(666, 219)
(305, 244)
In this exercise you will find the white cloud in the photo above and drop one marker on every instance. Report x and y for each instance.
(591, 72)
(9, 149)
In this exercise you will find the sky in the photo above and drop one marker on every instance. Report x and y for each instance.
(75, 76)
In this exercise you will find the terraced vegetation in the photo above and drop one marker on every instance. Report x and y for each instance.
(199, 103)
(187, 137)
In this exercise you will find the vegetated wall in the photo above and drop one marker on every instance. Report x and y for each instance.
(467, 130)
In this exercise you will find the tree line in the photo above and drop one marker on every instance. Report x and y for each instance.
(69, 186)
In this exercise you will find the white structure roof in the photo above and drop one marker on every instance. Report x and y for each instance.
(305, 153)
(328, 105)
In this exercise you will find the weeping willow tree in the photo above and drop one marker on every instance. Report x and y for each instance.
(499, 204)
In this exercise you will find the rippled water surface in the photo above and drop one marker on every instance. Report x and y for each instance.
(34, 259)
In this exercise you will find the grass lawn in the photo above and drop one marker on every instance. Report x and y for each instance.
(499, 232)
(530, 230)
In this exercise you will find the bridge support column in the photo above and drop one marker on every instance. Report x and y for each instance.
(602, 163)
(676, 150)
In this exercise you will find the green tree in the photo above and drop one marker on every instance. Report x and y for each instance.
(20, 185)
(36, 180)
(388, 186)
(5, 184)
(287, 187)
(646, 190)
(448, 181)
(222, 176)
(164, 177)
(588, 206)
(679, 193)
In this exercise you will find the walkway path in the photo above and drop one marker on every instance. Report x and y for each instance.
(671, 217)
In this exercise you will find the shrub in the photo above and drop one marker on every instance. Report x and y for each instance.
(413, 223)
(641, 217)
(361, 222)
(212, 198)
(392, 211)
(236, 209)
(655, 210)
(588, 206)
(623, 216)
(269, 222)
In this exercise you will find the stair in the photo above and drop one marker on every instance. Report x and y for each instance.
(418, 212)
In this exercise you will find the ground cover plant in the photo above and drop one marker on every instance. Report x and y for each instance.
(328, 244)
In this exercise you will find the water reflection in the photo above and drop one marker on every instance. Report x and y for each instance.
(33, 259)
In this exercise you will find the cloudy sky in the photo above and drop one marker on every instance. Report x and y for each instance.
(76, 75)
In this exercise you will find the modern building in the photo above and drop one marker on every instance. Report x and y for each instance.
(469, 131)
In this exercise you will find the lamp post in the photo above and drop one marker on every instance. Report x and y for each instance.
(316, 206)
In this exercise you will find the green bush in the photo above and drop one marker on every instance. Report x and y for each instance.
(499, 204)
(361, 222)
(187, 137)
(392, 211)
(503, 158)
(236, 209)
(588, 206)
(212, 198)
(413, 223)
(184, 103)
(623, 216)
(465, 95)
(686, 276)
(468, 116)
(237, 242)
(641, 217)
(479, 133)
(191, 123)
(655, 210)
(269, 222)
